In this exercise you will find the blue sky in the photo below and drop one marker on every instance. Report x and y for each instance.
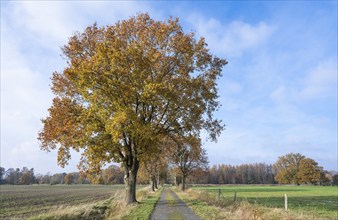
(278, 92)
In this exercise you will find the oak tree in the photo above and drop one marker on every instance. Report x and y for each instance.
(26, 178)
(126, 86)
(287, 168)
(187, 155)
(155, 165)
(311, 172)
(112, 175)
(297, 169)
(68, 179)
(149, 170)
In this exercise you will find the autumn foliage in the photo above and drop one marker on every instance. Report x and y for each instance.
(126, 87)
(297, 169)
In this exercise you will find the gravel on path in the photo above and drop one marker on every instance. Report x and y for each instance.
(171, 207)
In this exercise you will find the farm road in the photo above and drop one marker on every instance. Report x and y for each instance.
(171, 207)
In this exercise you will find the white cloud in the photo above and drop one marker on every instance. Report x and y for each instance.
(25, 97)
(321, 82)
(262, 134)
(31, 34)
(257, 130)
(231, 39)
(50, 19)
(288, 77)
(52, 22)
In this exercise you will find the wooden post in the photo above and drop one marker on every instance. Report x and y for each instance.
(286, 202)
(235, 198)
(219, 194)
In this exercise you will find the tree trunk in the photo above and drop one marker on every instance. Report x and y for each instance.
(130, 176)
(155, 182)
(152, 182)
(158, 179)
(183, 183)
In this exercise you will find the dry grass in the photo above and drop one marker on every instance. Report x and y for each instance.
(111, 209)
(95, 211)
(118, 208)
(208, 207)
(90, 211)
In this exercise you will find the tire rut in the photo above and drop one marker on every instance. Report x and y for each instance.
(171, 207)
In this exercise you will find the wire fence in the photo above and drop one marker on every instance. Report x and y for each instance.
(314, 204)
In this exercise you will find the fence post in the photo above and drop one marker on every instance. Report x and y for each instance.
(235, 198)
(219, 194)
(286, 202)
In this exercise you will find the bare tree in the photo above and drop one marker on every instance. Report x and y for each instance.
(187, 155)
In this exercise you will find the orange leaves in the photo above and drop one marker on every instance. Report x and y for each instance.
(62, 125)
(129, 85)
(309, 171)
(63, 156)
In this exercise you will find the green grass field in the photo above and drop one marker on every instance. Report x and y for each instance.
(317, 200)
(26, 201)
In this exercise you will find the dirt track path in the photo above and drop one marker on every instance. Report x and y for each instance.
(171, 207)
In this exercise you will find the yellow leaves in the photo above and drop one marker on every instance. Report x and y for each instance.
(63, 156)
(150, 90)
(127, 86)
(116, 125)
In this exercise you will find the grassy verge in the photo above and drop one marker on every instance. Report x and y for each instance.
(171, 200)
(113, 208)
(145, 207)
(315, 201)
(200, 206)
(206, 206)
(95, 211)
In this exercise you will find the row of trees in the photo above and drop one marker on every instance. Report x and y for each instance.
(259, 173)
(139, 93)
(292, 168)
(17, 176)
(111, 175)
(130, 90)
(27, 176)
(289, 169)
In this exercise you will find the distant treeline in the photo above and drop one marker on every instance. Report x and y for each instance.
(26, 176)
(258, 173)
